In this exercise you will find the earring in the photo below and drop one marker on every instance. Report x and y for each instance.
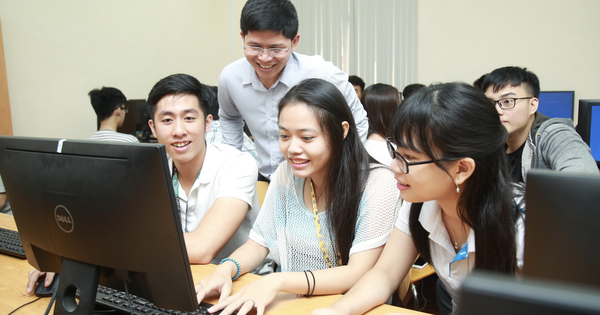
(457, 188)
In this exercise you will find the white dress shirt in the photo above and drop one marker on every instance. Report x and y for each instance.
(243, 97)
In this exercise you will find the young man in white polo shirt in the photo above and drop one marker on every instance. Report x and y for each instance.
(215, 185)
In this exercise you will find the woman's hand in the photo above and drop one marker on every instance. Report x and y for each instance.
(259, 294)
(219, 280)
(35, 276)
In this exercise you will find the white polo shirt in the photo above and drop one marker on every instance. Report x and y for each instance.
(226, 172)
(451, 267)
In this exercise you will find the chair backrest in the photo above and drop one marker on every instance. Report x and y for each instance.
(261, 191)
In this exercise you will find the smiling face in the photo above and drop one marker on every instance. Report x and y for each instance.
(423, 182)
(303, 142)
(179, 124)
(268, 68)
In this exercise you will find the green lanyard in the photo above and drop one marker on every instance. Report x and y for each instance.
(176, 191)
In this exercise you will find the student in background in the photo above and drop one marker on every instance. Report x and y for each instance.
(109, 105)
(380, 101)
(411, 89)
(250, 88)
(535, 141)
(327, 179)
(4, 205)
(215, 185)
(458, 211)
(358, 84)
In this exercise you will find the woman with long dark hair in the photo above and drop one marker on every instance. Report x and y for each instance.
(380, 101)
(327, 212)
(459, 214)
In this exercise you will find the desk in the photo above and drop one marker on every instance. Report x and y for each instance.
(13, 277)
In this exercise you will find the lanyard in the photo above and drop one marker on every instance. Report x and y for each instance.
(318, 227)
(175, 182)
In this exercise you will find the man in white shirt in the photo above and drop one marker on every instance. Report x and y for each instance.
(250, 88)
(215, 185)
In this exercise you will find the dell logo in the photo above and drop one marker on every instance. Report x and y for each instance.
(64, 219)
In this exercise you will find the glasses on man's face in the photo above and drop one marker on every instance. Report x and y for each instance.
(273, 52)
(125, 109)
(509, 103)
(401, 161)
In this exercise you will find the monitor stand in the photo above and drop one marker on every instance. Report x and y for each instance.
(76, 275)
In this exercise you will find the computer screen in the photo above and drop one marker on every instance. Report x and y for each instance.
(557, 104)
(562, 227)
(99, 213)
(588, 125)
(495, 294)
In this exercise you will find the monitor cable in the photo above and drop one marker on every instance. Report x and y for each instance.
(128, 298)
(54, 291)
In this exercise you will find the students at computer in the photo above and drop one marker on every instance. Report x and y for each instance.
(535, 141)
(326, 182)
(215, 185)
(109, 105)
(458, 211)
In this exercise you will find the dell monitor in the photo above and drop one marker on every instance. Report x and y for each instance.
(557, 104)
(98, 212)
(562, 227)
(588, 125)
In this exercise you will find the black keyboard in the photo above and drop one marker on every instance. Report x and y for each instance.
(10, 243)
(117, 300)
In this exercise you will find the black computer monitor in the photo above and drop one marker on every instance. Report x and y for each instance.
(562, 227)
(99, 213)
(557, 104)
(588, 125)
(495, 294)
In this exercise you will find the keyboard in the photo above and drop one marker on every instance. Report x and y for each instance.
(10, 243)
(117, 300)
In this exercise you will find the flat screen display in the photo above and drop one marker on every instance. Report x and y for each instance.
(557, 104)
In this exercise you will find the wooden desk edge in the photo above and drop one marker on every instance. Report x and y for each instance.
(284, 303)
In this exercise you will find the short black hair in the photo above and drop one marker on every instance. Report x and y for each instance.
(106, 100)
(479, 82)
(213, 108)
(356, 80)
(411, 89)
(180, 84)
(278, 16)
(513, 76)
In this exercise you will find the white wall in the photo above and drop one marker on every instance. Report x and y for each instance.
(57, 51)
(558, 40)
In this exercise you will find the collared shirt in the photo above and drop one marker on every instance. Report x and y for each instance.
(214, 136)
(243, 97)
(451, 267)
(226, 172)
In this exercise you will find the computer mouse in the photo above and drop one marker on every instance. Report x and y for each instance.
(42, 291)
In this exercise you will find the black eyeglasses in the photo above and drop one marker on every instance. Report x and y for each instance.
(402, 162)
(509, 103)
(125, 109)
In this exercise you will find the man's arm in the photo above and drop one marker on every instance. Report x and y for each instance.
(215, 230)
(563, 150)
(340, 80)
(232, 124)
(236, 193)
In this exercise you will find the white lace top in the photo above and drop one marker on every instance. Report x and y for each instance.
(286, 226)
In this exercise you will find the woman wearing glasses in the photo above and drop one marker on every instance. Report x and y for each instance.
(450, 165)
(327, 212)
